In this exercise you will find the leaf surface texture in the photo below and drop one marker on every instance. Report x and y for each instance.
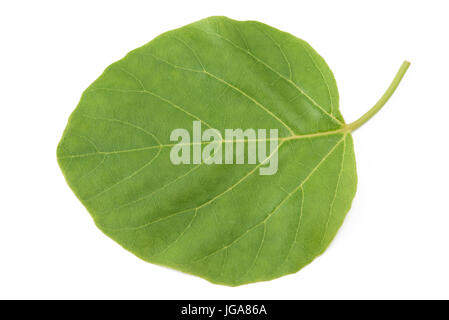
(225, 223)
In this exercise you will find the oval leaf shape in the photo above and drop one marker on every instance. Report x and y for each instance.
(228, 223)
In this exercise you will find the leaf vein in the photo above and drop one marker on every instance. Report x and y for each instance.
(205, 203)
(246, 95)
(125, 178)
(317, 105)
(335, 194)
(278, 206)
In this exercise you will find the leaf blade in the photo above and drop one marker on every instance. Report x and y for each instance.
(226, 224)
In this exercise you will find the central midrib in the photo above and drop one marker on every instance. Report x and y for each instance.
(342, 130)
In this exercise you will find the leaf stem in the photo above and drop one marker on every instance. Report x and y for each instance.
(391, 89)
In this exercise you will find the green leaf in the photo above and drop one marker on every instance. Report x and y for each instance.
(225, 223)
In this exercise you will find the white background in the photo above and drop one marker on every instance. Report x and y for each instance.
(394, 242)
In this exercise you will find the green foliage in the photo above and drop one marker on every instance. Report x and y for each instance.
(224, 223)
